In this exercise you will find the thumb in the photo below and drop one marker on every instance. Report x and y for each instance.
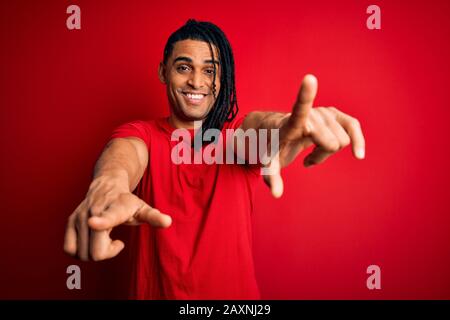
(152, 216)
(272, 177)
(275, 183)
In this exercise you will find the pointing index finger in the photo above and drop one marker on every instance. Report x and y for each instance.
(305, 99)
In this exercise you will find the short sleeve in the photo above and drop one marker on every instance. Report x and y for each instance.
(138, 129)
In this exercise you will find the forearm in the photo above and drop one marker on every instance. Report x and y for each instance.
(256, 135)
(123, 161)
(264, 120)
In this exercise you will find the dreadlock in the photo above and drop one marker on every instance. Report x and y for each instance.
(225, 107)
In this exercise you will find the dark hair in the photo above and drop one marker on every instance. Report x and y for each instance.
(225, 107)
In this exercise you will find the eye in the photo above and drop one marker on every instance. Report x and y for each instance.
(183, 68)
(209, 71)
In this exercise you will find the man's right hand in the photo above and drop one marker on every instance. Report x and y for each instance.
(108, 204)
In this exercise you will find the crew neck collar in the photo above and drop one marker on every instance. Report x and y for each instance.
(166, 126)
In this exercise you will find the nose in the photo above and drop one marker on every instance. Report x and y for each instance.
(196, 80)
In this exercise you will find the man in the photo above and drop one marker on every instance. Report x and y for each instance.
(195, 219)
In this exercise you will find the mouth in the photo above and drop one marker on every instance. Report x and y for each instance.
(193, 98)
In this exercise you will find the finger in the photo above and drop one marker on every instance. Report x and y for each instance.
(102, 247)
(83, 237)
(320, 154)
(353, 128)
(70, 237)
(128, 208)
(116, 214)
(115, 248)
(272, 177)
(317, 156)
(326, 144)
(304, 103)
(153, 216)
(341, 135)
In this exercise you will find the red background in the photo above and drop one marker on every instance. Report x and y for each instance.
(62, 93)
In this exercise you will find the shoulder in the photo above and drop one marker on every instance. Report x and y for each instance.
(141, 129)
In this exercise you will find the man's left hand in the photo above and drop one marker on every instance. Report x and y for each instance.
(327, 128)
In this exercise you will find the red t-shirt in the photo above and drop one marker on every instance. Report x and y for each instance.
(207, 251)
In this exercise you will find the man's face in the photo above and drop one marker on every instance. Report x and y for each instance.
(188, 74)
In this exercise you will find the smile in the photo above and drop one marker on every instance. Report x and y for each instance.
(193, 98)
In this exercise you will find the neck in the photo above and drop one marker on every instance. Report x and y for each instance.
(178, 124)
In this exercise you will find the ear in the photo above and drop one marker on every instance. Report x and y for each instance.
(162, 72)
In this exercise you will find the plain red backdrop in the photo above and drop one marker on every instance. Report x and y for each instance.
(62, 93)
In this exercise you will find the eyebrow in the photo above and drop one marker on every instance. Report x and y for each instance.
(187, 59)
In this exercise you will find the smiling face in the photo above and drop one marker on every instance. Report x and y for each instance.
(188, 74)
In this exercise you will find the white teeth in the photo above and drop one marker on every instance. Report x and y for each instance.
(194, 96)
